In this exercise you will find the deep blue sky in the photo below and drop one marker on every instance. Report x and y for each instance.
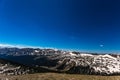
(86, 25)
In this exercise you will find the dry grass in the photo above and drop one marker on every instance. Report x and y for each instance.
(56, 76)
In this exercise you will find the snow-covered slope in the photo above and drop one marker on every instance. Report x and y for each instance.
(106, 64)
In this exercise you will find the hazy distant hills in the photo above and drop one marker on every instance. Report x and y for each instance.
(15, 61)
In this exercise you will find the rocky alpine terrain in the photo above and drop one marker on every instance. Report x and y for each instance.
(17, 61)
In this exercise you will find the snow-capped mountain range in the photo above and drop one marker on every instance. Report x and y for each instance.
(63, 61)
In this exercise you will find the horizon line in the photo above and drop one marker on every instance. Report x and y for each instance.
(70, 50)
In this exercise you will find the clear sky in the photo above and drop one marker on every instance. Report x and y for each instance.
(86, 25)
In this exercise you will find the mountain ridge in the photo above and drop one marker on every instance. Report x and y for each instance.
(64, 61)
